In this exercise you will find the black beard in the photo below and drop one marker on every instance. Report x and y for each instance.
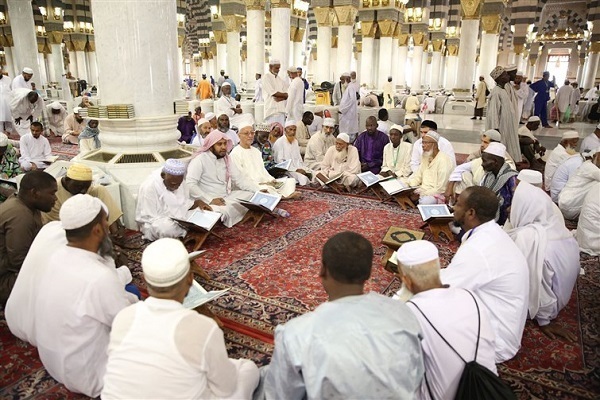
(223, 129)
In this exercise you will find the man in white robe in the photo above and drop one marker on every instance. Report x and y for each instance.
(339, 88)
(575, 96)
(78, 283)
(564, 150)
(563, 100)
(528, 104)
(249, 162)
(570, 199)
(588, 234)
(327, 352)
(593, 93)
(275, 94)
(591, 141)
(213, 178)
(341, 159)
(349, 110)
(492, 267)
(35, 149)
(5, 95)
(564, 172)
(258, 92)
(74, 125)
(318, 145)
(302, 130)
(295, 101)
(26, 106)
(161, 198)
(413, 105)
(229, 106)
(287, 148)
(203, 128)
(451, 313)
(56, 118)
(530, 146)
(522, 92)
(552, 256)
(23, 80)
(396, 155)
(182, 353)
(501, 113)
(224, 126)
(417, 149)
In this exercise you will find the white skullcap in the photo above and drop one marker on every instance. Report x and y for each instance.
(289, 122)
(201, 122)
(245, 124)
(493, 135)
(520, 73)
(397, 127)
(530, 176)
(274, 61)
(165, 262)
(497, 149)
(210, 116)
(534, 119)
(570, 135)
(55, 105)
(347, 74)
(27, 70)
(292, 69)
(510, 68)
(76, 110)
(416, 253)
(434, 135)
(224, 84)
(174, 167)
(329, 122)
(496, 72)
(344, 137)
(80, 210)
(3, 140)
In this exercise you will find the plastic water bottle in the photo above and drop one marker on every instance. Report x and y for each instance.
(282, 213)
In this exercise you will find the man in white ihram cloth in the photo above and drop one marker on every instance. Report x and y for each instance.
(79, 282)
(349, 111)
(450, 311)
(552, 255)
(161, 198)
(213, 178)
(229, 106)
(161, 350)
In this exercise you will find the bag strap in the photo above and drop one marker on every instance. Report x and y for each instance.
(478, 324)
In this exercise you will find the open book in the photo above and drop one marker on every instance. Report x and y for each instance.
(9, 181)
(370, 179)
(200, 220)
(50, 159)
(281, 168)
(435, 211)
(395, 186)
(198, 296)
(265, 202)
(323, 180)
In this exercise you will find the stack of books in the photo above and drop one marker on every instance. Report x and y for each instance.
(120, 111)
(97, 112)
(83, 111)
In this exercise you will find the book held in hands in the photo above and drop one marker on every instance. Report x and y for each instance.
(198, 296)
(200, 220)
(370, 179)
(261, 201)
(395, 186)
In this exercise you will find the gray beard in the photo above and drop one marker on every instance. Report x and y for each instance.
(341, 156)
(223, 129)
(106, 248)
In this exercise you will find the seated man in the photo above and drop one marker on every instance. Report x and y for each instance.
(203, 128)
(530, 145)
(591, 141)
(263, 144)
(287, 148)
(212, 118)
(499, 177)
(326, 353)
(571, 197)
(56, 118)
(89, 138)
(412, 105)
(161, 198)
(74, 124)
(564, 172)
(383, 121)
(370, 100)
(552, 256)
(370, 146)
(492, 267)
(9, 165)
(248, 161)
(433, 173)
(342, 158)
(443, 144)
(224, 126)
(20, 221)
(26, 106)
(318, 145)
(564, 150)
(448, 313)
(35, 149)
(226, 104)
(396, 155)
(588, 234)
(276, 131)
(302, 131)
(183, 353)
(81, 284)
(213, 178)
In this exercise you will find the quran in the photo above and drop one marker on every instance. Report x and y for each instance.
(264, 202)
(323, 180)
(435, 211)
(281, 168)
(198, 296)
(199, 220)
(370, 179)
(394, 186)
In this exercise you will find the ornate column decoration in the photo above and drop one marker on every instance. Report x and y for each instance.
(345, 15)
(324, 16)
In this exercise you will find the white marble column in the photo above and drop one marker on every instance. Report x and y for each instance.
(436, 65)
(366, 61)
(580, 74)
(57, 64)
(395, 62)
(81, 65)
(344, 49)
(93, 68)
(416, 67)
(280, 36)
(425, 80)
(233, 56)
(323, 72)
(25, 50)
(451, 72)
(255, 26)
(467, 53)
(212, 68)
(10, 62)
(442, 72)
(488, 54)
(385, 63)
(298, 58)
(401, 77)
(221, 58)
(72, 64)
(43, 72)
(590, 73)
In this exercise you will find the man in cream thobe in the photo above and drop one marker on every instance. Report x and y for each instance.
(552, 255)
(275, 94)
(564, 150)
(563, 99)
(396, 155)
(6, 118)
(588, 234)
(572, 195)
(349, 111)
(522, 93)
(318, 145)
(229, 106)
(35, 149)
(26, 106)
(295, 100)
(213, 178)
(287, 148)
(342, 158)
(417, 149)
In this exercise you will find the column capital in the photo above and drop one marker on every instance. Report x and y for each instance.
(387, 27)
(79, 45)
(233, 23)
(368, 28)
(403, 39)
(519, 48)
(452, 49)
(281, 4)
(90, 46)
(491, 23)
(470, 8)
(255, 4)
(594, 47)
(220, 37)
(180, 40)
(437, 44)
(298, 34)
(6, 41)
(55, 37)
(418, 38)
(334, 42)
(346, 15)
(324, 16)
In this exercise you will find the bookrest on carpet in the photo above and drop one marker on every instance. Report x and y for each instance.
(255, 215)
(439, 225)
(394, 238)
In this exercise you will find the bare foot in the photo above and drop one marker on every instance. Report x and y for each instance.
(553, 331)
(294, 196)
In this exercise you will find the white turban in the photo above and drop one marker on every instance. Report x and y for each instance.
(76, 110)
(225, 84)
(274, 61)
(344, 137)
(201, 122)
(397, 127)
(511, 68)
(417, 252)
(80, 210)
(165, 262)
(55, 105)
(27, 70)
(493, 135)
(530, 176)
(210, 116)
(534, 119)
(292, 69)
(570, 135)
(289, 122)
(497, 149)
(174, 167)
(434, 135)
(329, 122)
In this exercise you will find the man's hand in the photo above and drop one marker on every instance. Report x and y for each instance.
(363, 167)
(30, 118)
(449, 193)
(34, 167)
(18, 121)
(218, 202)
(387, 173)
(553, 331)
(201, 205)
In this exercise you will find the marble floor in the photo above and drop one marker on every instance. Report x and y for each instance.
(464, 132)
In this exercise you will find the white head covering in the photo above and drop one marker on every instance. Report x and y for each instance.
(55, 105)
(397, 127)
(292, 69)
(417, 252)
(27, 70)
(289, 122)
(344, 137)
(570, 135)
(165, 262)
(210, 116)
(76, 110)
(3, 140)
(434, 135)
(262, 127)
(510, 68)
(226, 84)
(496, 72)
(245, 124)
(519, 73)
(534, 118)
(201, 122)
(497, 149)
(530, 176)
(174, 167)
(493, 135)
(329, 122)
(274, 61)
(346, 74)
(80, 210)
(368, 101)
